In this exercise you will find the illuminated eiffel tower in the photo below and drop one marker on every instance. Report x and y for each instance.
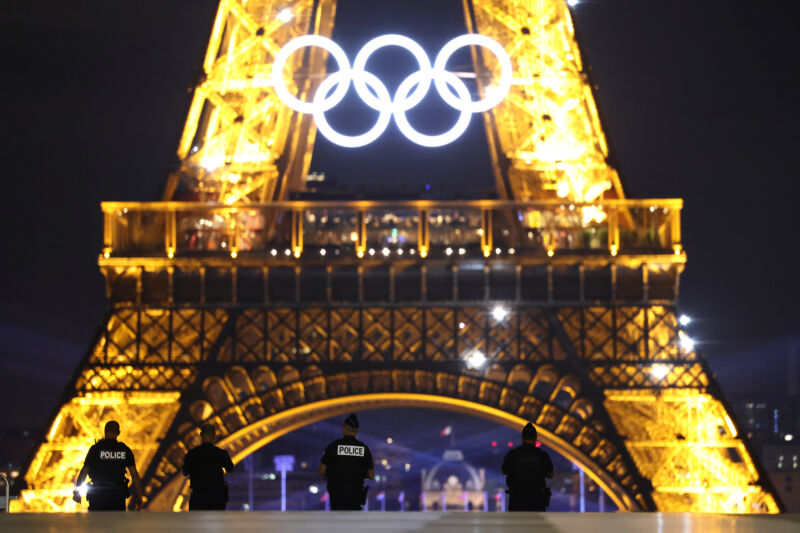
(555, 304)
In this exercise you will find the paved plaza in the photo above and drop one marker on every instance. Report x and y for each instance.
(301, 522)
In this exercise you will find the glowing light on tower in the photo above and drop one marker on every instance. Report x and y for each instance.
(500, 313)
(476, 360)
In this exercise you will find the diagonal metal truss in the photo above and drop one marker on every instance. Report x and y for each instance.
(545, 137)
(590, 377)
(240, 143)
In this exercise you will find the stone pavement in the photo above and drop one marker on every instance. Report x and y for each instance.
(376, 522)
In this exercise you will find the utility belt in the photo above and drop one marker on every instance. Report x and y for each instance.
(532, 492)
(218, 492)
(109, 490)
(357, 491)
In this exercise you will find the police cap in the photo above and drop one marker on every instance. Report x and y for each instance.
(351, 421)
(529, 432)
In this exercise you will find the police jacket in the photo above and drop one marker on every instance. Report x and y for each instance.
(107, 461)
(347, 461)
(204, 465)
(526, 468)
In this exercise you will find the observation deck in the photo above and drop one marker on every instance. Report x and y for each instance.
(409, 251)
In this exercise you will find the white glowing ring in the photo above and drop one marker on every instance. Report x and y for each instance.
(432, 141)
(410, 92)
(354, 141)
(505, 77)
(392, 40)
(280, 62)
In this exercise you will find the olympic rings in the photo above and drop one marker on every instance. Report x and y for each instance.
(411, 91)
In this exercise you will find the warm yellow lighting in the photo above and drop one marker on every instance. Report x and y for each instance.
(613, 249)
(54, 428)
(170, 252)
(298, 251)
(731, 427)
(562, 189)
(423, 251)
(178, 504)
(677, 249)
(592, 213)
(234, 254)
(550, 252)
(360, 253)
(487, 251)
(533, 218)
(144, 416)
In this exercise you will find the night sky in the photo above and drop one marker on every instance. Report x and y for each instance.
(698, 100)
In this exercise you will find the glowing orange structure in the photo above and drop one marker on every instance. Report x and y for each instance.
(555, 304)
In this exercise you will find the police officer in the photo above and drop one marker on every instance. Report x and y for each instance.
(526, 468)
(346, 463)
(205, 465)
(105, 464)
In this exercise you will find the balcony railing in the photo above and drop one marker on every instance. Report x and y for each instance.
(390, 230)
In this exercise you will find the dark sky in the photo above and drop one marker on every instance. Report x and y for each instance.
(698, 97)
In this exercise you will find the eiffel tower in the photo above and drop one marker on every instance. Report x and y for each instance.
(556, 303)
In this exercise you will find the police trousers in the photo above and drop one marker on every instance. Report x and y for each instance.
(208, 500)
(535, 501)
(345, 497)
(107, 498)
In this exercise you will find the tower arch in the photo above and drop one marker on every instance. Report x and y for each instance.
(250, 438)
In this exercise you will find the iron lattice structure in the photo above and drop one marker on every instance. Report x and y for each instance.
(260, 315)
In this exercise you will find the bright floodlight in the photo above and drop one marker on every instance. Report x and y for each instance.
(476, 360)
(659, 372)
(687, 343)
(313, 489)
(788, 437)
(572, 3)
(285, 15)
(499, 313)
(83, 489)
(684, 320)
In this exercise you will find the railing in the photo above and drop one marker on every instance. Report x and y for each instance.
(8, 492)
(364, 229)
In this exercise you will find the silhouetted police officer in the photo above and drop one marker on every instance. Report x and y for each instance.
(346, 463)
(525, 469)
(105, 464)
(204, 465)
